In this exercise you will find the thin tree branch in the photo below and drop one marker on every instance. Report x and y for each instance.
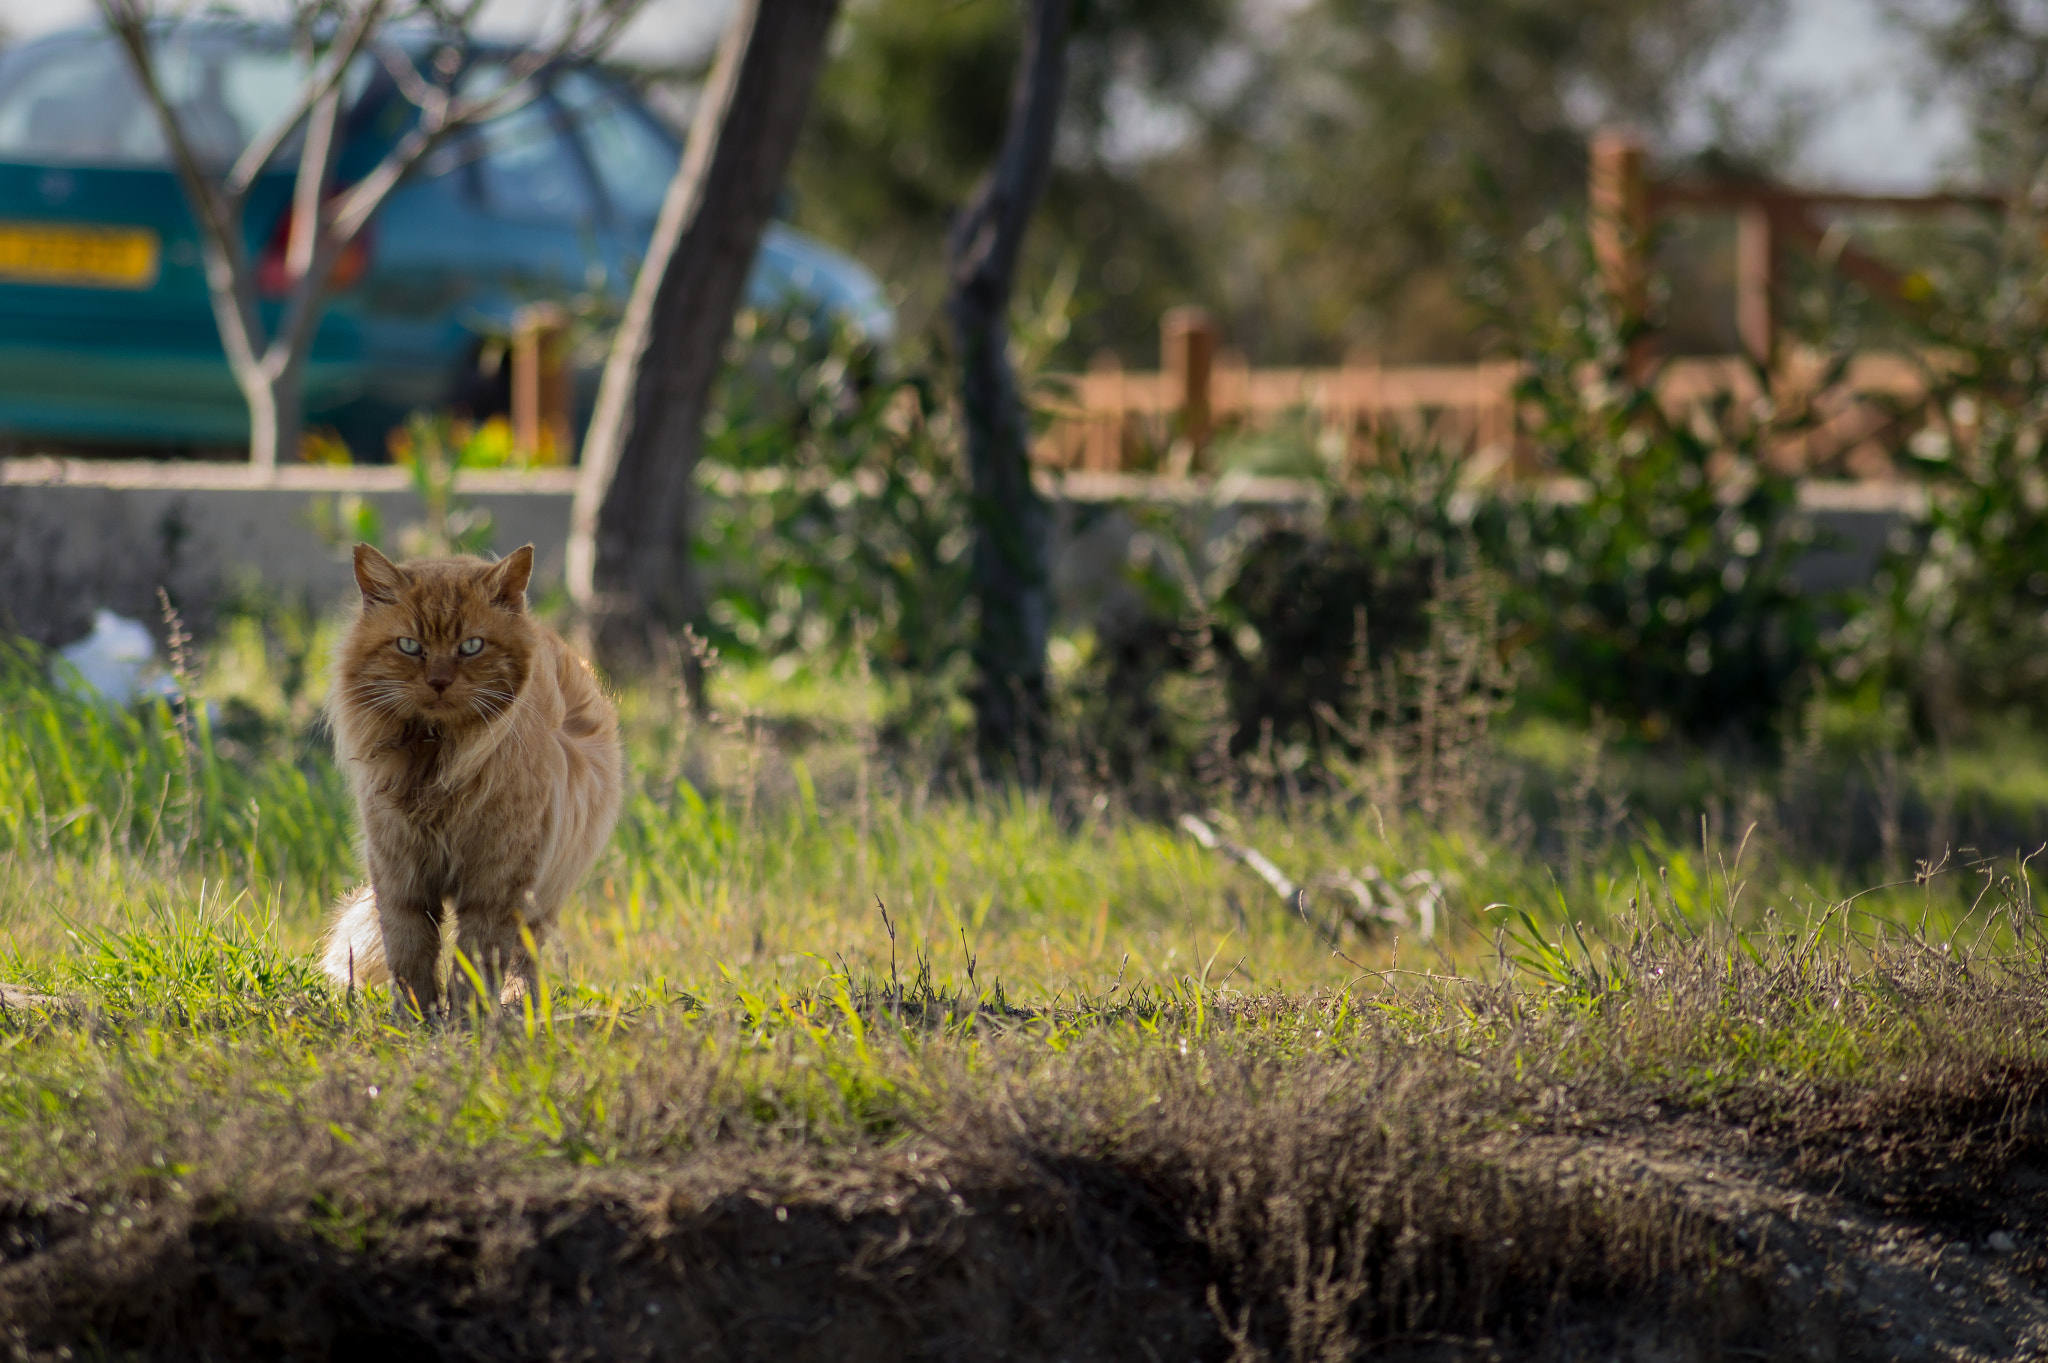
(421, 94)
(227, 265)
(316, 163)
(322, 231)
(129, 21)
(442, 112)
(325, 80)
(573, 44)
(302, 305)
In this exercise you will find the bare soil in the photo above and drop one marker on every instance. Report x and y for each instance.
(1898, 1228)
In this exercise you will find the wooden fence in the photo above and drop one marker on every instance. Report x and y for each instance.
(1111, 420)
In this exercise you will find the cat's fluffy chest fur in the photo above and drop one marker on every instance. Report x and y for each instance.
(485, 764)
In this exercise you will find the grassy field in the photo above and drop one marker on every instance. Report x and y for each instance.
(843, 1057)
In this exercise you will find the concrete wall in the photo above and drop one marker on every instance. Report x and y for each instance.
(76, 535)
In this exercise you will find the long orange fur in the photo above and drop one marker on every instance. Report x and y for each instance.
(485, 783)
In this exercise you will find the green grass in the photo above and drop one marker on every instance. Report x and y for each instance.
(772, 848)
(802, 959)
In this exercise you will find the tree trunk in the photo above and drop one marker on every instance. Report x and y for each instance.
(1011, 563)
(267, 414)
(273, 389)
(629, 533)
(288, 398)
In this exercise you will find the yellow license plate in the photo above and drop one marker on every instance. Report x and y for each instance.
(89, 257)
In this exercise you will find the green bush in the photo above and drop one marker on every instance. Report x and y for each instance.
(836, 514)
(1301, 602)
(1276, 608)
(1957, 623)
(1650, 582)
(1654, 584)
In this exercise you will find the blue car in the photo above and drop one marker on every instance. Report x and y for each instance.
(107, 337)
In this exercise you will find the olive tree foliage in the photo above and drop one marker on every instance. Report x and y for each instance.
(1301, 169)
(1993, 56)
(915, 104)
(267, 350)
(1367, 135)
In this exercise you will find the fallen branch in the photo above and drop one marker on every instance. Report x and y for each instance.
(14, 999)
(1251, 857)
(1412, 904)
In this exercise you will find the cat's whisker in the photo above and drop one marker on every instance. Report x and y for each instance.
(492, 701)
(373, 692)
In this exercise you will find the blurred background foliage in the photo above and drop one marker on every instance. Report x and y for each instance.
(835, 526)
(1406, 179)
(1955, 626)
(1649, 589)
(1302, 170)
(1993, 56)
(1313, 172)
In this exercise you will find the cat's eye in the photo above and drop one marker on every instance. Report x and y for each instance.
(409, 647)
(472, 647)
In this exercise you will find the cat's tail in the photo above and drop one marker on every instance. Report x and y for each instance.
(353, 956)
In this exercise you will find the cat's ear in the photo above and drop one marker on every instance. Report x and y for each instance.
(381, 580)
(508, 578)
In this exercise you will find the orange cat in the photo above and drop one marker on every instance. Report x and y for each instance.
(486, 769)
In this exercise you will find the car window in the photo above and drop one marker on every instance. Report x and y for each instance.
(526, 167)
(74, 100)
(633, 160)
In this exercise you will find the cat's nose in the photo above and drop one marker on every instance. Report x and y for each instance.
(440, 684)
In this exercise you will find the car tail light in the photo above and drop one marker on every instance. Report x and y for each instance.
(274, 280)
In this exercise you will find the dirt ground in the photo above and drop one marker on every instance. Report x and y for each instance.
(1830, 1276)
(1851, 1247)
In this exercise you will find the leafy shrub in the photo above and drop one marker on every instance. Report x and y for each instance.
(1654, 581)
(1655, 586)
(837, 514)
(1957, 624)
(1650, 581)
(1253, 639)
(1298, 599)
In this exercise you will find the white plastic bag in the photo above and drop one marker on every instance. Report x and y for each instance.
(116, 662)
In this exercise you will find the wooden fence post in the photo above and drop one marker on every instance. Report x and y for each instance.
(540, 383)
(1620, 201)
(1102, 444)
(1187, 346)
(1755, 282)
